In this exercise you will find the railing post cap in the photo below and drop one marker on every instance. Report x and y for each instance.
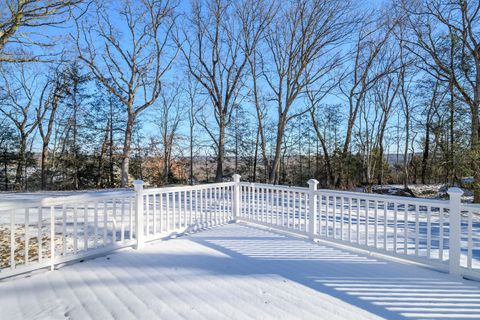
(236, 177)
(312, 182)
(138, 184)
(455, 191)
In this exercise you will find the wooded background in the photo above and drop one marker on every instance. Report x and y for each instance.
(96, 93)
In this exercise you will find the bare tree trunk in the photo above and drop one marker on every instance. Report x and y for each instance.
(326, 155)
(220, 152)
(255, 157)
(275, 168)
(191, 154)
(126, 150)
(100, 177)
(19, 181)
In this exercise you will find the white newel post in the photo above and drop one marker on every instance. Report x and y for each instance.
(139, 232)
(312, 208)
(236, 197)
(455, 229)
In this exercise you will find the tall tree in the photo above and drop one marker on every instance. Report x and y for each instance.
(217, 43)
(47, 117)
(19, 104)
(303, 45)
(458, 22)
(371, 38)
(129, 64)
(19, 21)
(168, 123)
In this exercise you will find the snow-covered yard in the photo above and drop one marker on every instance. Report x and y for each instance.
(239, 272)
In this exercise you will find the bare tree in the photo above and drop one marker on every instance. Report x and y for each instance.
(20, 18)
(19, 104)
(256, 17)
(217, 43)
(192, 91)
(457, 22)
(371, 38)
(168, 122)
(130, 67)
(49, 104)
(303, 45)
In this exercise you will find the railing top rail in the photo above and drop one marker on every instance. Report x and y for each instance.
(275, 186)
(381, 197)
(187, 188)
(471, 206)
(53, 200)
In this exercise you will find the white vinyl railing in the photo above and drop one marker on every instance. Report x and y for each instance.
(49, 231)
(179, 209)
(442, 234)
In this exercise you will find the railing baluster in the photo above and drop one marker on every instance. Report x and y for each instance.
(469, 239)
(196, 207)
(405, 228)
(385, 225)
(349, 219)
(27, 237)
(39, 235)
(147, 214)
(105, 222)
(327, 216)
(167, 211)
(440, 235)
(264, 205)
(296, 223)
(341, 218)
(85, 227)
(358, 220)
(175, 209)
(417, 231)
(429, 231)
(64, 229)
(131, 216)
(52, 237)
(154, 220)
(334, 216)
(122, 222)
(367, 222)
(216, 206)
(375, 227)
(114, 220)
(75, 229)
(395, 213)
(95, 225)
(12, 239)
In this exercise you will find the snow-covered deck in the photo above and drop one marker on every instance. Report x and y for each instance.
(238, 272)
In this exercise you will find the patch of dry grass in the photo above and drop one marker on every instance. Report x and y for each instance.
(33, 245)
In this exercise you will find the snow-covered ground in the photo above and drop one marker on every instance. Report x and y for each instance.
(429, 191)
(238, 272)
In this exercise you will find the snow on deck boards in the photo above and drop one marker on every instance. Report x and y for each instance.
(238, 272)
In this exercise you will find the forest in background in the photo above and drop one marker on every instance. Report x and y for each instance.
(94, 94)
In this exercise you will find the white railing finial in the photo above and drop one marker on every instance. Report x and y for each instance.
(312, 184)
(138, 185)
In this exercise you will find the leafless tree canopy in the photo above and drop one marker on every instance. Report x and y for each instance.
(95, 94)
